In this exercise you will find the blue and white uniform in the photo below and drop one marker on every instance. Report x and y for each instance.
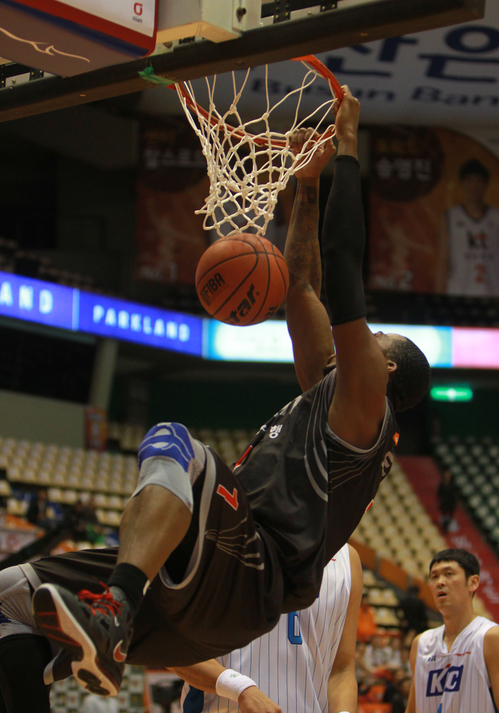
(292, 663)
(455, 681)
(473, 253)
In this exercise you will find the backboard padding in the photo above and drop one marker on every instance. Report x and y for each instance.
(345, 26)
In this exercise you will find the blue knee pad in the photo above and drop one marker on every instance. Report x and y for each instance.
(167, 458)
(167, 440)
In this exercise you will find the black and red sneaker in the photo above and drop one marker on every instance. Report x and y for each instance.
(94, 628)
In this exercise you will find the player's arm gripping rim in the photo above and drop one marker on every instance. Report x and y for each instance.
(491, 656)
(358, 405)
(342, 690)
(204, 676)
(307, 319)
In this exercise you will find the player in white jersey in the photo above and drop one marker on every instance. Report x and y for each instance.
(456, 666)
(468, 261)
(306, 663)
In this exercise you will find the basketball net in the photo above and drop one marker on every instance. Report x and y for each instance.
(248, 162)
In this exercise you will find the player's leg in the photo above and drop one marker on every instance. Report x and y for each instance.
(23, 659)
(231, 591)
(97, 629)
(24, 653)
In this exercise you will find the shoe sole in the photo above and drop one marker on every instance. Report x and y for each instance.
(57, 622)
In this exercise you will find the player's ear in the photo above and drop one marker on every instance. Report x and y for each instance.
(392, 366)
(473, 583)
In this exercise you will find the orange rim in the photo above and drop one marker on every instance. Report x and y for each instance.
(309, 59)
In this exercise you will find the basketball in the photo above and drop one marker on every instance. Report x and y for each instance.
(242, 279)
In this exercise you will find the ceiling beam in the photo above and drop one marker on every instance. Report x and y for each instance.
(325, 31)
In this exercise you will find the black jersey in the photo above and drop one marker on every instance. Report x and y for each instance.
(262, 536)
(308, 489)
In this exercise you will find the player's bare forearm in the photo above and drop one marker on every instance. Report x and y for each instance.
(202, 676)
(302, 252)
(252, 700)
(342, 692)
(347, 124)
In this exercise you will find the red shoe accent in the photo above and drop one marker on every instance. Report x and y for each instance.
(104, 602)
(118, 654)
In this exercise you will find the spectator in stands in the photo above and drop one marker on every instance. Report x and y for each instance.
(93, 528)
(99, 704)
(377, 652)
(366, 627)
(447, 502)
(405, 662)
(397, 693)
(412, 613)
(77, 523)
(393, 648)
(39, 510)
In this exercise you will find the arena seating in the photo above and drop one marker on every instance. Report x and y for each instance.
(30, 264)
(397, 526)
(474, 464)
(72, 474)
(384, 601)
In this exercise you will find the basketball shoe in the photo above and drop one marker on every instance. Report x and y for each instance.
(58, 669)
(95, 629)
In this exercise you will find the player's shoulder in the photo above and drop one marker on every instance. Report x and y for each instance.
(492, 630)
(428, 636)
(493, 217)
(491, 646)
(455, 210)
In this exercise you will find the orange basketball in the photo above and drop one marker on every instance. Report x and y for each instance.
(242, 279)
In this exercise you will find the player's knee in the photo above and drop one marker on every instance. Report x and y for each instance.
(15, 603)
(167, 440)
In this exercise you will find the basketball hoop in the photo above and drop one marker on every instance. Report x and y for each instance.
(249, 163)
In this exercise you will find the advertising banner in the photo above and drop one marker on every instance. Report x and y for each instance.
(433, 212)
(172, 184)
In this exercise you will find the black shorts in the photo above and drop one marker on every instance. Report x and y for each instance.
(230, 593)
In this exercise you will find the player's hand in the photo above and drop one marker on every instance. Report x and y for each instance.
(321, 155)
(347, 116)
(252, 700)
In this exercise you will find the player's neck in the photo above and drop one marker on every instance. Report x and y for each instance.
(455, 622)
(475, 209)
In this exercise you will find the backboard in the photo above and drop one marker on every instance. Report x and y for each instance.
(280, 30)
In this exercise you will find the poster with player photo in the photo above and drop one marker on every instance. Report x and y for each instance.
(171, 186)
(433, 213)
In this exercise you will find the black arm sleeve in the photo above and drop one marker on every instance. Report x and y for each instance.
(343, 242)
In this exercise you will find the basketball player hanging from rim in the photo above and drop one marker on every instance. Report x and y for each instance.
(236, 549)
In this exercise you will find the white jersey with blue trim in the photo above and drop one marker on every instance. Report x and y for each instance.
(455, 681)
(473, 253)
(292, 663)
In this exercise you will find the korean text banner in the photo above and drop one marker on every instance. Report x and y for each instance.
(433, 213)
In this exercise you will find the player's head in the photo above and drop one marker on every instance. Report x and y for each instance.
(474, 178)
(454, 575)
(467, 561)
(474, 167)
(409, 370)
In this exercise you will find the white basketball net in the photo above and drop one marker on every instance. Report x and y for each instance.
(247, 170)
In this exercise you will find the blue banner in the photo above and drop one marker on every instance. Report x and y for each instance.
(69, 308)
(119, 319)
(37, 301)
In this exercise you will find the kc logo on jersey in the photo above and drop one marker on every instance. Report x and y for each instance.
(444, 680)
